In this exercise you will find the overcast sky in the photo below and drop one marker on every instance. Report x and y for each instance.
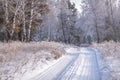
(77, 2)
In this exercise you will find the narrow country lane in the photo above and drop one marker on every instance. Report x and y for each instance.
(82, 65)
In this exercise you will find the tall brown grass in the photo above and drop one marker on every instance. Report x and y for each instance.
(18, 54)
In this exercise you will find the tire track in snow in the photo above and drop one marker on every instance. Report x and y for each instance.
(73, 69)
(79, 66)
(62, 76)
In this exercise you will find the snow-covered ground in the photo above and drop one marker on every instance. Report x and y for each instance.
(77, 64)
(45, 61)
(111, 54)
(22, 61)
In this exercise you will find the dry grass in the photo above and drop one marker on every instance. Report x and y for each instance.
(11, 50)
(109, 49)
(15, 55)
(111, 54)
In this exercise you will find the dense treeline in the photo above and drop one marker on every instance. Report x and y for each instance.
(19, 17)
(59, 20)
(27, 20)
(101, 19)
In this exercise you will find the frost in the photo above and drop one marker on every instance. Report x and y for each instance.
(110, 53)
(22, 61)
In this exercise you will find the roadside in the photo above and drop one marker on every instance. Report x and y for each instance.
(20, 61)
(111, 55)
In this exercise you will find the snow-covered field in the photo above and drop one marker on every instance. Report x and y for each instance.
(111, 54)
(22, 61)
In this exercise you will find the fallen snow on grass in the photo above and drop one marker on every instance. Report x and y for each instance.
(40, 68)
(22, 61)
(111, 54)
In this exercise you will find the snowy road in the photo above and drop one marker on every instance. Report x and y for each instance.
(81, 65)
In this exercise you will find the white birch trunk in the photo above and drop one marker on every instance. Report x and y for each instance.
(24, 21)
(6, 12)
(31, 20)
(14, 21)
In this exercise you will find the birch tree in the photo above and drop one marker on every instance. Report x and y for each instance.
(6, 17)
(37, 8)
(24, 35)
(16, 7)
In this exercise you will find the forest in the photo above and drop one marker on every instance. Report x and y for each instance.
(59, 20)
(59, 39)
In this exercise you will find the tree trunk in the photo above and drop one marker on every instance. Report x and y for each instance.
(110, 15)
(14, 21)
(13, 28)
(97, 30)
(95, 20)
(49, 32)
(24, 22)
(6, 20)
(112, 21)
(31, 20)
